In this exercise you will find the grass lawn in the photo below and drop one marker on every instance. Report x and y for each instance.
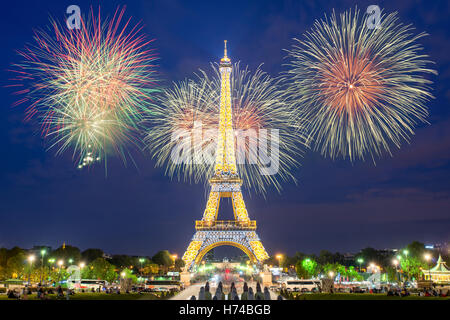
(362, 296)
(97, 296)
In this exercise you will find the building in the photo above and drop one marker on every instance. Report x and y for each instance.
(439, 274)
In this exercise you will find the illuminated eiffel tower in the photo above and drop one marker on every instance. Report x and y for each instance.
(210, 232)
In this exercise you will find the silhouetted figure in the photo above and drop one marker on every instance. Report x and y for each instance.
(207, 293)
(244, 295)
(193, 298)
(259, 295)
(250, 294)
(201, 295)
(266, 294)
(218, 295)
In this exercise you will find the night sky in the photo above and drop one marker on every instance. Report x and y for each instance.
(336, 205)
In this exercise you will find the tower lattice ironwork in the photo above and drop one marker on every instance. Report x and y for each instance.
(210, 232)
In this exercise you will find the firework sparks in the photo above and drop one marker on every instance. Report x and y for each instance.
(360, 89)
(191, 107)
(89, 88)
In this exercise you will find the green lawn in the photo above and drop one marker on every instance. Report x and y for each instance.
(362, 296)
(97, 296)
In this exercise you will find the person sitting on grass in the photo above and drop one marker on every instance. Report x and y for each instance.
(60, 292)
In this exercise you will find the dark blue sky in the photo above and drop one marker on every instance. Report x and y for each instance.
(336, 205)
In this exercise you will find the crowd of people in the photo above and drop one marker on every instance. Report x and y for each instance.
(247, 294)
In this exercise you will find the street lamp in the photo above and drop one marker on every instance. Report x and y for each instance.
(81, 265)
(427, 257)
(395, 262)
(60, 264)
(279, 257)
(141, 260)
(43, 252)
(331, 274)
(30, 260)
(405, 252)
(70, 260)
(360, 261)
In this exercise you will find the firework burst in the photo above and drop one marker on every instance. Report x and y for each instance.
(190, 109)
(89, 88)
(359, 89)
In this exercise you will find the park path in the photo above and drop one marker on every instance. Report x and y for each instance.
(193, 290)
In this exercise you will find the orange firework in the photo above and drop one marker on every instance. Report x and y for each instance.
(359, 89)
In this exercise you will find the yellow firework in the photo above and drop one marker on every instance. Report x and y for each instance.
(187, 122)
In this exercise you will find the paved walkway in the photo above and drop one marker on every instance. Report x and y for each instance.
(193, 290)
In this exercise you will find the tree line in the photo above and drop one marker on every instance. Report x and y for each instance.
(41, 264)
(403, 264)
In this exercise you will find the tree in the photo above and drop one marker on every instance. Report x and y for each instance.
(163, 258)
(310, 266)
(150, 268)
(391, 274)
(411, 267)
(352, 274)
(90, 255)
(371, 255)
(123, 261)
(100, 269)
(325, 257)
(179, 264)
(67, 253)
(128, 274)
(416, 249)
(15, 267)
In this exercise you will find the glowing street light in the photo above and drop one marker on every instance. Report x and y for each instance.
(427, 257)
(43, 252)
(141, 261)
(30, 259)
(123, 274)
(81, 265)
(396, 262)
(331, 274)
(60, 263)
(279, 257)
(360, 261)
(405, 252)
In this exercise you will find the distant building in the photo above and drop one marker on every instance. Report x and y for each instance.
(106, 256)
(349, 257)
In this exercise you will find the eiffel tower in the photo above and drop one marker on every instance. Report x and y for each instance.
(210, 232)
